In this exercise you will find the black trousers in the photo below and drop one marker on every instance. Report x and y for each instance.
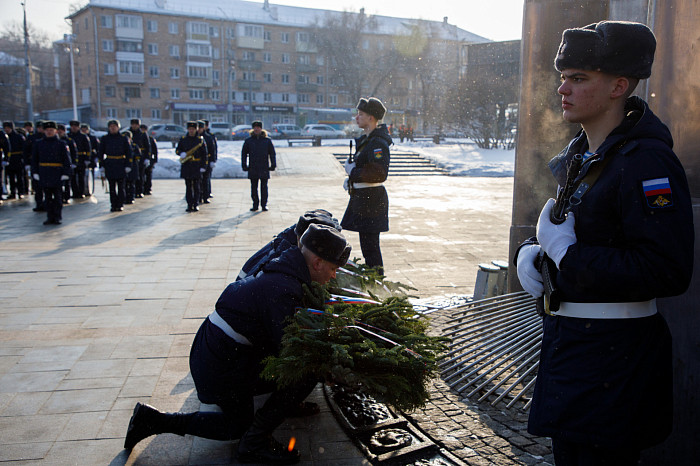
(369, 243)
(78, 182)
(206, 184)
(226, 373)
(66, 190)
(192, 191)
(148, 179)
(568, 453)
(262, 200)
(53, 202)
(17, 180)
(141, 179)
(38, 193)
(116, 192)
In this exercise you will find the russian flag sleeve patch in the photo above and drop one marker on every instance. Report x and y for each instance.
(658, 193)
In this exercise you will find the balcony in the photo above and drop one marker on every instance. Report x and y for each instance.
(249, 65)
(302, 68)
(245, 85)
(306, 47)
(250, 42)
(200, 82)
(307, 87)
(130, 78)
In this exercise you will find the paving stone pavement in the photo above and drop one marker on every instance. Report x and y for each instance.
(100, 312)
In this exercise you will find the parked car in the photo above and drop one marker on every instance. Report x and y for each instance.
(325, 131)
(220, 129)
(285, 131)
(240, 132)
(167, 132)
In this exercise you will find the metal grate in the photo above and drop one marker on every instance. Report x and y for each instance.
(495, 349)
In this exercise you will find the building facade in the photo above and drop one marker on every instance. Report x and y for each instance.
(176, 61)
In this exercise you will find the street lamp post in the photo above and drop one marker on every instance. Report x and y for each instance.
(232, 67)
(28, 89)
(68, 41)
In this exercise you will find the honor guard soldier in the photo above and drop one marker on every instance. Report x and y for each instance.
(192, 149)
(211, 158)
(28, 134)
(61, 132)
(150, 162)
(258, 158)
(82, 144)
(225, 360)
(4, 160)
(36, 184)
(115, 157)
(15, 162)
(51, 165)
(132, 171)
(140, 139)
(94, 145)
(604, 386)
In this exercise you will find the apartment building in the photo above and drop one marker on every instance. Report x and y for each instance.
(173, 61)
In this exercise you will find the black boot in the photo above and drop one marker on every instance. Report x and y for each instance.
(147, 421)
(258, 446)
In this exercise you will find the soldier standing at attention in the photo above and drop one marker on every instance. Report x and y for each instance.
(82, 144)
(4, 155)
(94, 144)
(114, 154)
(15, 163)
(29, 154)
(213, 155)
(211, 149)
(61, 132)
(150, 162)
(193, 158)
(51, 164)
(131, 169)
(604, 386)
(140, 139)
(258, 148)
(28, 135)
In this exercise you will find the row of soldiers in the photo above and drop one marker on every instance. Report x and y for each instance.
(198, 153)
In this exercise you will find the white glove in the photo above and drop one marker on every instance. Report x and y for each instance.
(65, 177)
(183, 155)
(202, 170)
(127, 170)
(555, 239)
(146, 163)
(73, 166)
(346, 184)
(35, 176)
(349, 166)
(529, 277)
(87, 163)
(5, 163)
(212, 165)
(102, 172)
(27, 168)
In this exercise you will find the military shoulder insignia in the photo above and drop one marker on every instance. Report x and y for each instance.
(378, 153)
(658, 193)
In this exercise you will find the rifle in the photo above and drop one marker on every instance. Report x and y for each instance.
(552, 295)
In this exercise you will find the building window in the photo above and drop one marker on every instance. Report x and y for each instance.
(174, 93)
(197, 71)
(285, 58)
(153, 49)
(285, 97)
(267, 77)
(152, 25)
(133, 113)
(215, 95)
(197, 94)
(107, 45)
(216, 52)
(214, 31)
(198, 29)
(333, 99)
(132, 92)
(230, 33)
(249, 30)
(109, 69)
(155, 93)
(365, 44)
(129, 22)
(248, 56)
(112, 113)
(285, 37)
(285, 79)
(303, 98)
(174, 73)
(249, 96)
(303, 59)
(198, 50)
(319, 60)
(267, 57)
(106, 21)
(110, 91)
(248, 76)
(268, 36)
(319, 80)
(155, 114)
(303, 37)
(302, 79)
(129, 46)
(174, 51)
(267, 96)
(130, 67)
(319, 98)
(172, 28)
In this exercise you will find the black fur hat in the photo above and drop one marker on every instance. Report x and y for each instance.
(615, 47)
(319, 217)
(327, 243)
(373, 106)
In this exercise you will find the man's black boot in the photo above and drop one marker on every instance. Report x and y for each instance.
(258, 446)
(147, 421)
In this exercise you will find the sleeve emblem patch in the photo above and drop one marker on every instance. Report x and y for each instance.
(378, 153)
(658, 193)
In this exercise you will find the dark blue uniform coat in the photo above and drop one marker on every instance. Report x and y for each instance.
(83, 147)
(190, 169)
(368, 208)
(115, 155)
(258, 156)
(283, 241)
(51, 160)
(608, 381)
(16, 152)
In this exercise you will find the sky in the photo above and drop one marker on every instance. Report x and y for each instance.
(494, 19)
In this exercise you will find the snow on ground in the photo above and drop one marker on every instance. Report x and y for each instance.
(460, 157)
